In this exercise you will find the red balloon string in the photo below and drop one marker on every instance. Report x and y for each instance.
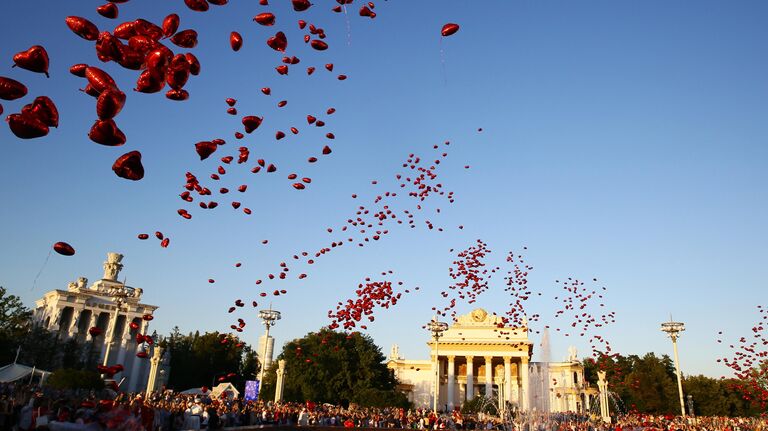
(442, 62)
(34, 282)
(349, 30)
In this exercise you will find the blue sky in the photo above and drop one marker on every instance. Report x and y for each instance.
(621, 140)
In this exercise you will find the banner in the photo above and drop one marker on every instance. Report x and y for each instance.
(251, 390)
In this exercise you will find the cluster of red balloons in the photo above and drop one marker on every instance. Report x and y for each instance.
(368, 296)
(142, 51)
(164, 241)
(582, 319)
(140, 45)
(519, 289)
(365, 226)
(470, 277)
(749, 361)
(36, 118)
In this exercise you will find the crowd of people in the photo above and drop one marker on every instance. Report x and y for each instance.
(32, 408)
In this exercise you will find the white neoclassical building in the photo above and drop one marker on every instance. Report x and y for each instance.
(114, 308)
(480, 356)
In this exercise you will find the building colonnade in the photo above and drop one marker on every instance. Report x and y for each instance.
(463, 377)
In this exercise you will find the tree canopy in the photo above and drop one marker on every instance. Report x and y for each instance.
(648, 384)
(67, 378)
(208, 359)
(14, 324)
(335, 367)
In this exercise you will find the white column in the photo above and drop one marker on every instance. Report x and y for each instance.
(514, 390)
(91, 324)
(524, 378)
(488, 376)
(123, 341)
(280, 386)
(451, 381)
(436, 395)
(508, 378)
(154, 365)
(76, 314)
(133, 379)
(470, 391)
(111, 323)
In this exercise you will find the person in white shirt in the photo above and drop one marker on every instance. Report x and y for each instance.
(303, 418)
(192, 415)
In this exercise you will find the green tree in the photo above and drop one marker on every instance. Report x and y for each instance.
(648, 384)
(201, 360)
(41, 348)
(67, 378)
(15, 321)
(653, 385)
(49, 350)
(329, 366)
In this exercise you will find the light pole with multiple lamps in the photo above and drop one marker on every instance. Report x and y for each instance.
(437, 329)
(268, 317)
(673, 329)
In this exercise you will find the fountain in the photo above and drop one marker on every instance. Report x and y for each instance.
(538, 396)
(608, 400)
(488, 407)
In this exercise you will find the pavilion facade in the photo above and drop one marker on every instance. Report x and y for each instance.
(480, 356)
(72, 312)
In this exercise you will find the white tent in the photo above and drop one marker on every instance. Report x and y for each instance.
(13, 372)
(225, 387)
(194, 391)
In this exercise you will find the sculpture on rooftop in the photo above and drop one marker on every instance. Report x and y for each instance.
(112, 266)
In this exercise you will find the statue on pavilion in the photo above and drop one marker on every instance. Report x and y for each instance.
(573, 355)
(112, 266)
(76, 286)
(394, 352)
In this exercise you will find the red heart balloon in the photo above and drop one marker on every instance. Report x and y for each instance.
(108, 10)
(278, 42)
(34, 59)
(205, 149)
(82, 27)
(319, 45)
(26, 126)
(170, 25)
(251, 123)
(129, 166)
(235, 41)
(185, 38)
(265, 18)
(197, 5)
(110, 103)
(301, 5)
(106, 132)
(11, 89)
(178, 72)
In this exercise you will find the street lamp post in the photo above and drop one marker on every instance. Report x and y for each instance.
(437, 329)
(118, 295)
(673, 329)
(268, 317)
